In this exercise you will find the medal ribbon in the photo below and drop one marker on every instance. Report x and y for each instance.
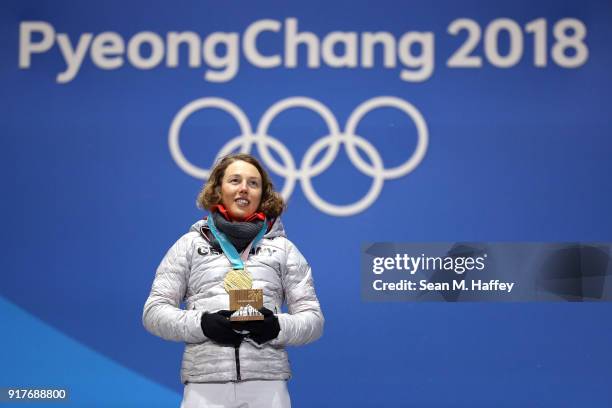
(228, 248)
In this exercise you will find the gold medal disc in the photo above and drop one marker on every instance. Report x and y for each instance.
(237, 279)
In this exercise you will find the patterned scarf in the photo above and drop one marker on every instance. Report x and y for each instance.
(239, 233)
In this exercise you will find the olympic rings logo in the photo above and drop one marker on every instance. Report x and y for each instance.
(307, 169)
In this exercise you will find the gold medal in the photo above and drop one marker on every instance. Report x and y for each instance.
(237, 279)
(238, 284)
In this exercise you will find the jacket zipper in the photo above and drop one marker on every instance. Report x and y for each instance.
(237, 354)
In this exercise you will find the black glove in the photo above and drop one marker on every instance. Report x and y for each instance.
(217, 327)
(263, 330)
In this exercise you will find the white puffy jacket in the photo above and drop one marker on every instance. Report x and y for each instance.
(193, 272)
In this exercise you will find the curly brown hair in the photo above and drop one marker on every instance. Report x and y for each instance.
(272, 204)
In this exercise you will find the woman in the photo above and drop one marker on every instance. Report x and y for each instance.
(224, 367)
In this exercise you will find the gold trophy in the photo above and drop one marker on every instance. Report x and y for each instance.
(245, 301)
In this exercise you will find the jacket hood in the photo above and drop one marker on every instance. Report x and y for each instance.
(277, 230)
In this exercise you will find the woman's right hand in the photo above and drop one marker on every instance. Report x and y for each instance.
(218, 328)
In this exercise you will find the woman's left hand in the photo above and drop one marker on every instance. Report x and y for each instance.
(264, 330)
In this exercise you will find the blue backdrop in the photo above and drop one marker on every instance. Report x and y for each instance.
(480, 122)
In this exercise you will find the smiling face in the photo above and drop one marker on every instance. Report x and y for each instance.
(241, 189)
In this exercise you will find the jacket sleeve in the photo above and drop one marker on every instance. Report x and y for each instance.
(162, 315)
(304, 322)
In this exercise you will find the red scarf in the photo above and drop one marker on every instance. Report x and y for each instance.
(223, 211)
